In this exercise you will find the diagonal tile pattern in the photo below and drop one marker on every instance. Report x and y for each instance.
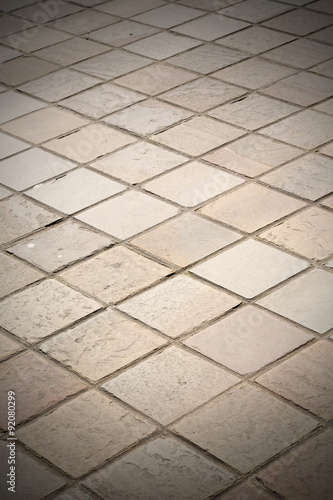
(166, 254)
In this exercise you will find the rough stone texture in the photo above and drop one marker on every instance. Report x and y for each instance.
(246, 491)
(14, 274)
(8, 346)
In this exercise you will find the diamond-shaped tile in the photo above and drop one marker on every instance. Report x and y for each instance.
(122, 33)
(322, 6)
(14, 274)
(8, 346)
(10, 146)
(172, 307)
(15, 104)
(42, 15)
(245, 490)
(301, 53)
(250, 268)
(163, 45)
(130, 9)
(255, 11)
(210, 27)
(168, 16)
(299, 22)
(71, 51)
(324, 35)
(83, 22)
(255, 39)
(23, 69)
(36, 38)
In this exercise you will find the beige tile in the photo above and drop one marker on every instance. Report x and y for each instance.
(76, 190)
(156, 78)
(89, 440)
(303, 473)
(162, 45)
(328, 149)
(36, 38)
(15, 104)
(255, 11)
(246, 490)
(324, 35)
(255, 39)
(250, 268)
(83, 22)
(147, 117)
(44, 124)
(38, 383)
(209, 5)
(31, 167)
(128, 214)
(328, 202)
(170, 384)
(60, 84)
(301, 53)
(172, 307)
(202, 94)
(185, 240)
(122, 33)
(192, 184)
(4, 193)
(179, 472)
(10, 24)
(246, 427)
(306, 300)
(326, 106)
(210, 27)
(114, 274)
(89, 143)
(299, 22)
(71, 51)
(306, 379)
(307, 233)
(44, 309)
(19, 216)
(10, 146)
(253, 111)
(310, 177)
(73, 493)
(102, 100)
(23, 69)
(168, 16)
(325, 68)
(253, 155)
(198, 135)
(248, 340)
(322, 6)
(14, 274)
(139, 162)
(130, 9)
(251, 207)
(37, 13)
(102, 345)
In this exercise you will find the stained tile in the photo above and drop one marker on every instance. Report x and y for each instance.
(89, 143)
(147, 117)
(255, 39)
(162, 45)
(14, 104)
(250, 268)
(102, 345)
(246, 427)
(71, 51)
(44, 124)
(44, 308)
(301, 53)
(122, 33)
(251, 207)
(202, 94)
(40, 383)
(10, 146)
(172, 307)
(14, 274)
(170, 384)
(179, 472)
(168, 16)
(305, 300)
(83, 22)
(130, 9)
(59, 246)
(210, 27)
(139, 162)
(192, 184)
(36, 38)
(248, 339)
(23, 69)
(30, 167)
(20, 216)
(114, 274)
(299, 22)
(255, 11)
(74, 191)
(310, 177)
(198, 135)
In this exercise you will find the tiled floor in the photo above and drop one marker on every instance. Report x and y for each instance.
(166, 261)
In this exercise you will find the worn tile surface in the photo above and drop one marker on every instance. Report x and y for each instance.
(15, 274)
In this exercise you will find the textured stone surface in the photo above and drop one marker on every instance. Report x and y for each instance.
(255, 39)
(23, 69)
(71, 51)
(83, 22)
(14, 274)
(299, 22)
(210, 27)
(163, 45)
(301, 53)
(255, 10)
(122, 33)
(168, 16)
(247, 491)
(132, 7)
(9, 346)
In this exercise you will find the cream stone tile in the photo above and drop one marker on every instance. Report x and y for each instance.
(253, 155)
(128, 214)
(130, 9)
(310, 177)
(326, 107)
(4, 193)
(44, 308)
(172, 306)
(255, 11)
(122, 33)
(91, 436)
(170, 384)
(253, 111)
(10, 146)
(250, 268)
(251, 207)
(14, 104)
(198, 135)
(255, 39)
(328, 202)
(179, 472)
(83, 22)
(36, 38)
(306, 129)
(210, 27)
(248, 339)
(60, 84)
(185, 240)
(299, 22)
(44, 124)
(89, 143)
(162, 45)
(102, 345)
(147, 117)
(246, 427)
(74, 191)
(31, 167)
(114, 274)
(19, 216)
(202, 94)
(139, 162)
(14, 274)
(168, 16)
(306, 300)
(8, 346)
(71, 51)
(307, 233)
(156, 78)
(325, 68)
(328, 149)
(192, 184)
(301, 53)
(23, 69)
(41, 384)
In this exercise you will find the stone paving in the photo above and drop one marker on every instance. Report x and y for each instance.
(166, 249)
